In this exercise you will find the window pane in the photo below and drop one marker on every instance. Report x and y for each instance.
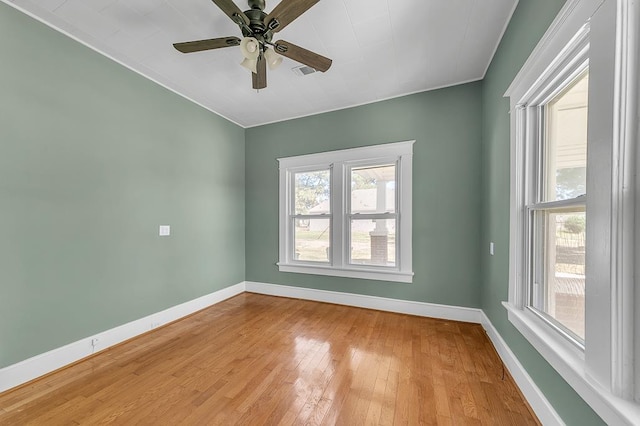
(560, 284)
(311, 237)
(373, 189)
(312, 192)
(373, 242)
(565, 149)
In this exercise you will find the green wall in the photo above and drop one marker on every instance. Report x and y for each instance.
(93, 157)
(530, 21)
(446, 126)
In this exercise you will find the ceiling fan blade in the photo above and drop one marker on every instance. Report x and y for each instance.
(304, 56)
(286, 11)
(260, 79)
(231, 10)
(212, 43)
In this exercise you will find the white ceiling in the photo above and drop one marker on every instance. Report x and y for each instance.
(380, 49)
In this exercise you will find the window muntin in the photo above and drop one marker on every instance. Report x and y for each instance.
(557, 214)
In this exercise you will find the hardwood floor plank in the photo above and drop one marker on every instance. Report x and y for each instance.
(262, 360)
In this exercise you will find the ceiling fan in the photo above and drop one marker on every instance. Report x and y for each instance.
(258, 29)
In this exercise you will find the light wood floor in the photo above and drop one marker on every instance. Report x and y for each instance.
(257, 359)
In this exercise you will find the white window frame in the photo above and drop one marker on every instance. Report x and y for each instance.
(340, 163)
(605, 372)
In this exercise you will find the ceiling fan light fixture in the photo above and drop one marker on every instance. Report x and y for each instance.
(250, 64)
(273, 59)
(250, 48)
(259, 52)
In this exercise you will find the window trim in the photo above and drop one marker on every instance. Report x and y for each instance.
(604, 372)
(340, 162)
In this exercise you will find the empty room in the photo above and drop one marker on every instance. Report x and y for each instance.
(319, 212)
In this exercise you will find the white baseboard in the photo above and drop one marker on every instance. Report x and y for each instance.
(534, 396)
(455, 313)
(39, 365)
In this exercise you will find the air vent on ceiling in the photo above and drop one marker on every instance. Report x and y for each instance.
(303, 70)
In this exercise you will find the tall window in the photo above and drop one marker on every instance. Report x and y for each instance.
(311, 218)
(372, 215)
(348, 213)
(574, 208)
(556, 209)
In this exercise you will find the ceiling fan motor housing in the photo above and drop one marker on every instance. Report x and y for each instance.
(256, 27)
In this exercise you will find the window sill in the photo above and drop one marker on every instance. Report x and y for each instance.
(366, 274)
(568, 361)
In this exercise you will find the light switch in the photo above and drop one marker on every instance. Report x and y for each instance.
(491, 248)
(165, 230)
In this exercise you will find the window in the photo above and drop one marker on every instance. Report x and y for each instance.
(556, 207)
(573, 231)
(348, 213)
(372, 214)
(311, 215)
